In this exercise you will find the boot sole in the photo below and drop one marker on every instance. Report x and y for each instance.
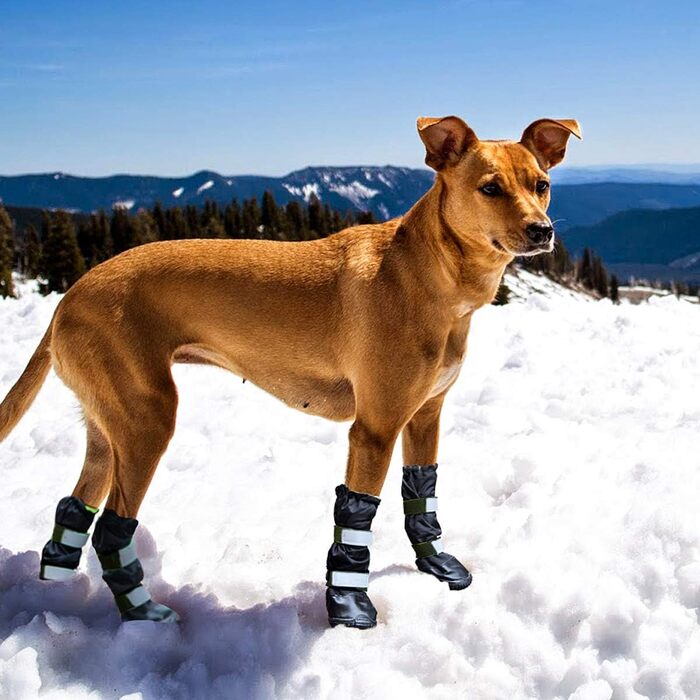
(355, 624)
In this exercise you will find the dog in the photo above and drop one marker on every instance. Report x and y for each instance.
(368, 325)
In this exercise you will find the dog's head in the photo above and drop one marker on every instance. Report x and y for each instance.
(496, 193)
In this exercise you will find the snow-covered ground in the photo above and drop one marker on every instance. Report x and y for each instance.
(569, 483)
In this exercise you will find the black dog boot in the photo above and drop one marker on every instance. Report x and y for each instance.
(423, 528)
(61, 554)
(347, 579)
(122, 572)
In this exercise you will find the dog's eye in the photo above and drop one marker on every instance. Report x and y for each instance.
(491, 190)
(541, 186)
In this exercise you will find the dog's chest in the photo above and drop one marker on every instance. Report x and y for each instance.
(445, 378)
(452, 356)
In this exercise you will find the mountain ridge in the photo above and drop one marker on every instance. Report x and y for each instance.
(387, 191)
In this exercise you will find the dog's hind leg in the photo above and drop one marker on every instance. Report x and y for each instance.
(139, 431)
(74, 514)
(420, 440)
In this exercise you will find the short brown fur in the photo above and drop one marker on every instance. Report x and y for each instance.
(368, 325)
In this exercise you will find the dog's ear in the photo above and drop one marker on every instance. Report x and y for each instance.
(546, 139)
(445, 138)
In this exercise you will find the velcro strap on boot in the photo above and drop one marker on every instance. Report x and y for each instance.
(55, 573)
(132, 599)
(348, 579)
(71, 538)
(357, 538)
(427, 549)
(416, 506)
(119, 559)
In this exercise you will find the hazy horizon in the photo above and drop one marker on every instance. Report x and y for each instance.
(669, 168)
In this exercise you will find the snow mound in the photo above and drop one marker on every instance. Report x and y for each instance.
(568, 483)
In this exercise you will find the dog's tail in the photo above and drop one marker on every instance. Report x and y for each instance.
(23, 393)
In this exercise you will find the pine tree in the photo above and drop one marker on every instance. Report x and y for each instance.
(144, 228)
(214, 228)
(192, 217)
(161, 224)
(584, 270)
(298, 222)
(614, 290)
(120, 230)
(232, 219)
(599, 276)
(7, 254)
(270, 216)
(177, 224)
(31, 252)
(317, 217)
(250, 218)
(365, 217)
(62, 264)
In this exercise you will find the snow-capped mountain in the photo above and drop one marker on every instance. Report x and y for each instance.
(387, 191)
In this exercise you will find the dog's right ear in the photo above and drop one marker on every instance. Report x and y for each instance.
(446, 139)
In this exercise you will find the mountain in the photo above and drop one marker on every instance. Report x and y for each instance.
(387, 191)
(587, 204)
(651, 244)
(668, 174)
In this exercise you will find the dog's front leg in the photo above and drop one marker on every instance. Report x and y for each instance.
(347, 602)
(420, 441)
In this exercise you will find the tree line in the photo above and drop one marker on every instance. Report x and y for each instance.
(67, 245)
(588, 271)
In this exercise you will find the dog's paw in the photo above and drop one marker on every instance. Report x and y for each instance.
(350, 607)
(446, 568)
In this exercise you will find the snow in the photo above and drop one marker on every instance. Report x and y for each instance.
(356, 192)
(568, 483)
(178, 192)
(207, 185)
(306, 191)
(124, 204)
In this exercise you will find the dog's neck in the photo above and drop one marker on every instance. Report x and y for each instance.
(465, 269)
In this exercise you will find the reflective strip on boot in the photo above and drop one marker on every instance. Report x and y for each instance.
(55, 573)
(358, 538)
(427, 549)
(71, 538)
(348, 579)
(417, 506)
(119, 559)
(132, 599)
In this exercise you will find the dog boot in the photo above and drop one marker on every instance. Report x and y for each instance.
(347, 579)
(122, 572)
(61, 554)
(423, 528)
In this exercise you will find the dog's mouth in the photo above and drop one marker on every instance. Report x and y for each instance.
(498, 246)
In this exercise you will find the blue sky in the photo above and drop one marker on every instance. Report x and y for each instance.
(263, 87)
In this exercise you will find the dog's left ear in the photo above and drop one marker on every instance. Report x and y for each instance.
(445, 138)
(546, 139)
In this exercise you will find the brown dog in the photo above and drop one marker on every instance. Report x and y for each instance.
(368, 325)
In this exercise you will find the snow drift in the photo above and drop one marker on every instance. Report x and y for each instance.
(568, 483)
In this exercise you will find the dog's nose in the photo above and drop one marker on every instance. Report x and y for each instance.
(539, 232)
